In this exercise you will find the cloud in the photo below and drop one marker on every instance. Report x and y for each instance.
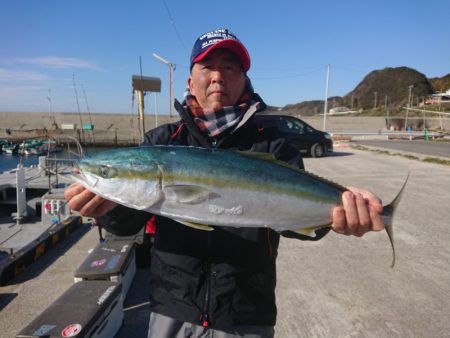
(10, 92)
(20, 75)
(59, 62)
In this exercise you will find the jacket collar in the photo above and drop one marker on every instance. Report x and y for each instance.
(206, 141)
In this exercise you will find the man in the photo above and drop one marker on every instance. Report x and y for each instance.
(219, 283)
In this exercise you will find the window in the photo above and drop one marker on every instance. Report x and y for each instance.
(291, 126)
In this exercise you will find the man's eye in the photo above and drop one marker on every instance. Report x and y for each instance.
(105, 171)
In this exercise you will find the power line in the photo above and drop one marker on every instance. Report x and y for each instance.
(288, 76)
(172, 21)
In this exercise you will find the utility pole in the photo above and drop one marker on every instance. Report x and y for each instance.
(172, 67)
(326, 99)
(409, 104)
(143, 84)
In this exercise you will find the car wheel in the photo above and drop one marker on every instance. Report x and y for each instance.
(317, 150)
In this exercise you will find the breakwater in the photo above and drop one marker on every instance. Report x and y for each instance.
(123, 129)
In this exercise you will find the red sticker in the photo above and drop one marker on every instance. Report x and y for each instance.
(71, 331)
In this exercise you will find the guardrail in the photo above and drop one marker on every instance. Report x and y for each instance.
(387, 134)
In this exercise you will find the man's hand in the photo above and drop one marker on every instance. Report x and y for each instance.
(87, 203)
(359, 213)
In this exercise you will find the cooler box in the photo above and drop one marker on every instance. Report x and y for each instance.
(112, 261)
(88, 309)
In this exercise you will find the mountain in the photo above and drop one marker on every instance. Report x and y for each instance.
(392, 85)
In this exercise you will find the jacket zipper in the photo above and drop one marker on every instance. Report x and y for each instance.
(204, 316)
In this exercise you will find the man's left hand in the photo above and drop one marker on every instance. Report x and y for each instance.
(360, 213)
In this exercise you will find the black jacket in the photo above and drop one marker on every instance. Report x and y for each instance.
(221, 277)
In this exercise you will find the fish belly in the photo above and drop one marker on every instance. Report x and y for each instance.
(237, 208)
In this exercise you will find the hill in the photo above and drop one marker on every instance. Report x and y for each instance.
(391, 85)
(441, 84)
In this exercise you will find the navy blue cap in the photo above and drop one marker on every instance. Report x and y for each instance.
(220, 38)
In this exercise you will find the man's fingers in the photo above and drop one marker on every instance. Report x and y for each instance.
(97, 206)
(339, 223)
(359, 213)
(364, 216)
(351, 211)
(79, 200)
(73, 190)
(377, 221)
(370, 197)
(90, 206)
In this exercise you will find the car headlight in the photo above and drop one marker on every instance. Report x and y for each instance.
(328, 136)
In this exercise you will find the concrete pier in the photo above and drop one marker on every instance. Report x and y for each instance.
(337, 287)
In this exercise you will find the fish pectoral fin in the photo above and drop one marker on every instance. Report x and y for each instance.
(195, 225)
(188, 194)
(310, 232)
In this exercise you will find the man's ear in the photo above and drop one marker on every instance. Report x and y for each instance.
(191, 86)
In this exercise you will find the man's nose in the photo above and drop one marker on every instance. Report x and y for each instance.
(217, 76)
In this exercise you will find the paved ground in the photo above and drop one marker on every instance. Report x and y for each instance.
(421, 148)
(344, 287)
(337, 287)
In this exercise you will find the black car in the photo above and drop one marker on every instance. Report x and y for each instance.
(308, 140)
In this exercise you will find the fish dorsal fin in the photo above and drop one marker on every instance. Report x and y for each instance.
(187, 194)
(270, 158)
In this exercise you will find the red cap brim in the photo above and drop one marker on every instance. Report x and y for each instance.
(233, 46)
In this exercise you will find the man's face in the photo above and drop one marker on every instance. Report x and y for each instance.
(218, 80)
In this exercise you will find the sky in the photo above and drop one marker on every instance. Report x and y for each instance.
(70, 56)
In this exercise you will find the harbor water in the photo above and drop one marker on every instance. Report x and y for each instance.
(10, 161)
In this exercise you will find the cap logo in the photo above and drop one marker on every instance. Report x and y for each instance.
(218, 33)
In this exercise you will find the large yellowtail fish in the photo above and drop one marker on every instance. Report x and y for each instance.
(204, 188)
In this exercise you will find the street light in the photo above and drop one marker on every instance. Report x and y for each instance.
(172, 67)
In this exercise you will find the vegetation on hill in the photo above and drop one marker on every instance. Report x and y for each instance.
(389, 86)
(441, 84)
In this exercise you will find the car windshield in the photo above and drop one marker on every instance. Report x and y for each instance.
(292, 126)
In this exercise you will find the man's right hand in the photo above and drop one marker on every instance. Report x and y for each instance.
(87, 203)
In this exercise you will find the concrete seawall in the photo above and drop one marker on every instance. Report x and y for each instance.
(125, 129)
(109, 129)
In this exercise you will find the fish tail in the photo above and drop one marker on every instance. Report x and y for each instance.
(388, 217)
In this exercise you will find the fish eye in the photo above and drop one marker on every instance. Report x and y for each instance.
(105, 171)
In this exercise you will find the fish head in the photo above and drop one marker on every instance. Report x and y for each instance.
(121, 176)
